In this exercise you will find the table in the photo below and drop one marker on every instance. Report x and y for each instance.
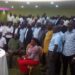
(3, 63)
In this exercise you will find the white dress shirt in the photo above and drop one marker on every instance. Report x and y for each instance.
(36, 32)
(9, 30)
(10, 18)
(4, 30)
(2, 42)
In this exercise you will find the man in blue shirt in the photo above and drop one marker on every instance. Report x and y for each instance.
(54, 52)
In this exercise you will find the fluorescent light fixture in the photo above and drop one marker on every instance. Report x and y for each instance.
(6, 2)
(36, 6)
(22, 6)
(57, 6)
(27, 3)
(36, 0)
(12, 6)
(52, 2)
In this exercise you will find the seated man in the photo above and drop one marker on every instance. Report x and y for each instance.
(32, 56)
(13, 46)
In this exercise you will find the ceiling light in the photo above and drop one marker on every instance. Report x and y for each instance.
(12, 6)
(52, 2)
(36, 0)
(36, 6)
(57, 6)
(22, 6)
(6, 2)
(27, 3)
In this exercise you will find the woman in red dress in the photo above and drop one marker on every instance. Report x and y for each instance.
(31, 58)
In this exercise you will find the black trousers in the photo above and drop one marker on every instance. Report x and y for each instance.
(68, 60)
(43, 59)
(53, 63)
(7, 40)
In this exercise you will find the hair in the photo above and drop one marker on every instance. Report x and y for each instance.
(36, 40)
(21, 53)
(71, 23)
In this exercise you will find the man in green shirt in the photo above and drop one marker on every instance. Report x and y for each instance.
(13, 46)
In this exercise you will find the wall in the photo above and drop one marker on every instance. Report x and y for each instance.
(49, 11)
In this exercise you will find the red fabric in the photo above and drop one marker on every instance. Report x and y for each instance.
(23, 64)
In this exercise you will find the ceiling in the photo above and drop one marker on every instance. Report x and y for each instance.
(46, 4)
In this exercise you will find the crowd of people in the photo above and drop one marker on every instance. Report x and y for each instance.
(51, 38)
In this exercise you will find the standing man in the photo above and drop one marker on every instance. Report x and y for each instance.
(21, 34)
(54, 52)
(37, 30)
(28, 35)
(10, 17)
(46, 42)
(69, 50)
(2, 41)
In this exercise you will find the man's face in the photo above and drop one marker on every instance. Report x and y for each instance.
(15, 37)
(70, 27)
(54, 29)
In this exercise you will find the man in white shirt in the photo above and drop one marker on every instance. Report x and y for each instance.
(21, 33)
(4, 29)
(2, 41)
(9, 33)
(36, 31)
(15, 19)
(21, 20)
(29, 20)
(10, 17)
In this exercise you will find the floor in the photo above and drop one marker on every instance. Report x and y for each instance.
(15, 71)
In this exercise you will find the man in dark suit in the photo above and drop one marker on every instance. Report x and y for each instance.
(28, 35)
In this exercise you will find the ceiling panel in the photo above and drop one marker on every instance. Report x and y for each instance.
(63, 4)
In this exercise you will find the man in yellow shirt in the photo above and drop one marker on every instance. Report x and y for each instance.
(47, 39)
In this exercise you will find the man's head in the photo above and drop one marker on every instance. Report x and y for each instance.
(70, 26)
(56, 29)
(10, 14)
(15, 36)
(49, 26)
(28, 26)
(22, 26)
(15, 15)
(38, 25)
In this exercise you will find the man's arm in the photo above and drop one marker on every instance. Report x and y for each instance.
(55, 48)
